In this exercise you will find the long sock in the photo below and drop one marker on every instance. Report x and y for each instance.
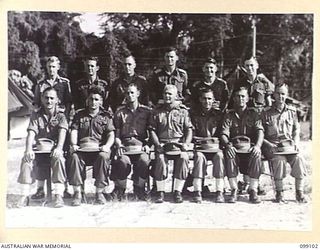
(160, 186)
(233, 183)
(58, 188)
(40, 184)
(254, 184)
(219, 184)
(178, 185)
(197, 184)
(279, 185)
(25, 189)
(299, 184)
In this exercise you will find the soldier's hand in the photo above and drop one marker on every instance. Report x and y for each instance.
(74, 148)
(231, 152)
(184, 147)
(159, 149)
(255, 151)
(146, 149)
(29, 156)
(105, 148)
(57, 152)
(117, 143)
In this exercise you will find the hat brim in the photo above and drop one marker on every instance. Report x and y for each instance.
(88, 150)
(207, 150)
(174, 152)
(42, 151)
(133, 152)
(243, 151)
(286, 153)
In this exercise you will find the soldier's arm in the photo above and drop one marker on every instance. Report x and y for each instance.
(29, 154)
(296, 130)
(36, 99)
(110, 138)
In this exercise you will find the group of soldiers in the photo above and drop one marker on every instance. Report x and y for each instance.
(164, 112)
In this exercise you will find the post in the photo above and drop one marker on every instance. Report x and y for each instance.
(254, 35)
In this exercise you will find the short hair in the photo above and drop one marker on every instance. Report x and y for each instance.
(240, 88)
(169, 49)
(49, 89)
(51, 59)
(170, 86)
(91, 58)
(96, 90)
(210, 60)
(250, 58)
(129, 55)
(205, 90)
(280, 85)
(133, 84)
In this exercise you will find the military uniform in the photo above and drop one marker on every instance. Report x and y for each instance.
(171, 125)
(131, 129)
(260, 85)
(98, 128)
(207, 125)
(82, 89)
(248, 125)
(161, 78)
(61, 85)
(219, 88)
(282, 125)
(44, 128)
(118, 90)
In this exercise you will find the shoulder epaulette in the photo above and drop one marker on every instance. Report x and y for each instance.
(182, 71)
(64, 79)
(141, 77)
(157, 71)
(292, 108)
(228, 111)
(79, 110)
(183, 106)
(145, 107)
(221, 80)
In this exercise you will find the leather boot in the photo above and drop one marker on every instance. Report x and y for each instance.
(300, 197)
(220, 197)
(233, 196)
(253, 197)
(197, 198)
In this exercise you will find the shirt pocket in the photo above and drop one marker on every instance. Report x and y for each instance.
(270, 128)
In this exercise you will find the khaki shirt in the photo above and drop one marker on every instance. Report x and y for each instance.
(117, 94)
(97, 126)
(171, 124)
(161, 78)
(248, 124)
(132, 123)
(45, 127)
(279, 124)
(219, 88)
(206, 124)
(61, 85)
(82, 88)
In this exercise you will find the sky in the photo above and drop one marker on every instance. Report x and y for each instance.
(90, 22)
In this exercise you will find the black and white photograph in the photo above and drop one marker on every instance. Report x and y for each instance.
(160, 120)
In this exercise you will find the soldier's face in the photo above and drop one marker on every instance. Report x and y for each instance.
(251, 66)
(94, 101)
(52, 69)
(209, 69)
(49, 99)
(169, 96)
(129, 66)
(280, 95)
(132, 94)
(91, 67)
(241, 98)
(207, 100)
(170, 58)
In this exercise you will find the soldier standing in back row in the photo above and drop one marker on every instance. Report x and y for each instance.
(83, 86)
(210, 80)
(118, 88)
(170, 74)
